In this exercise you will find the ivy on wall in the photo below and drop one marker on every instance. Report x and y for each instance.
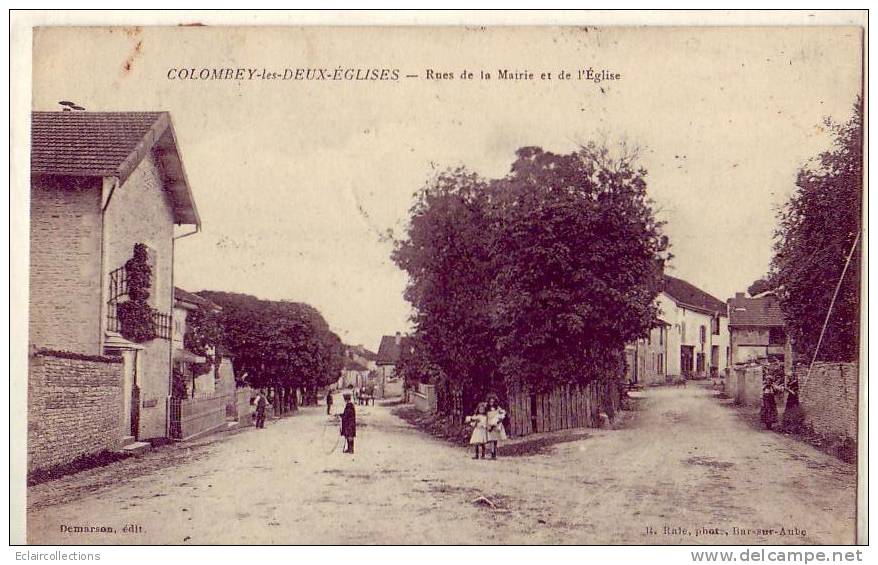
(136, 315)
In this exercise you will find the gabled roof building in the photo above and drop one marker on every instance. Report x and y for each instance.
(101, 184)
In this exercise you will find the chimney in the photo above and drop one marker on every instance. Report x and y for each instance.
(398, 338)
(739, 295)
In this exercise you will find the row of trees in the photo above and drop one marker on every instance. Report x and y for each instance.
(537, 278)
(280, 345)
(818, 249)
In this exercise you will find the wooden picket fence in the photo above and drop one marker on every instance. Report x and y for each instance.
(564, 407)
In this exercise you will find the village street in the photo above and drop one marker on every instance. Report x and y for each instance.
(683, 460)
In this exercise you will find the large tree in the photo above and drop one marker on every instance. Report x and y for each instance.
(537, 278)
(448, 256)
(279, 344)
(818, 227)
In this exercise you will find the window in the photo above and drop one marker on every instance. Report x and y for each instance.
(714, 323)
(776, 336)
(699, 361)
(661, 363)
(703, 334)
(661, 335)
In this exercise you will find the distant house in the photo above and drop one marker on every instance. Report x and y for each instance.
(689, 338)
(758, 330)
(359, 367)
(363, 356)
(390, 351)
(205, 383)
(353, 374)
(102, 183)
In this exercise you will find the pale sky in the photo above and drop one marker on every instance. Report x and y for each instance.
(294, 181)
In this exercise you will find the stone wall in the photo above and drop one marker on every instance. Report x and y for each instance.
(744, 384)
(74, 407)
(425, 398)
(829, 398)
(244, 410)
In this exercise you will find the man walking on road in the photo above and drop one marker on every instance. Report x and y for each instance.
(349, 424)
(328, 401)
(261, 404)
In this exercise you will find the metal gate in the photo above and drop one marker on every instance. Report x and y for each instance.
(175, 411)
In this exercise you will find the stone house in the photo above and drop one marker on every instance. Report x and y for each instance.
(690, 337)
(757, 330)
(390, 350)
(360, 367)
(102, 183)
(361, 355)
(353, 374)
(218, 377)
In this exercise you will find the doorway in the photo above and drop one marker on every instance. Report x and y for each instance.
(687, 359)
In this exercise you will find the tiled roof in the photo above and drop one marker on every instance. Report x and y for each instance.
(353, 365)
(90, 143)
(389, 352)
(360, 351)
(366, 354)
(110, 144)
(687, 294)
(755, 312)
(186, 296)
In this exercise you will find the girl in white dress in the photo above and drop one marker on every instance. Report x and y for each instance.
(479, 422)
(496, 431)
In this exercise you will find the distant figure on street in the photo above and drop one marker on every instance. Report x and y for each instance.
(479, 421)
(261, 404)
(349, 424)
(328, 401)
(769, 406)
(496, 431)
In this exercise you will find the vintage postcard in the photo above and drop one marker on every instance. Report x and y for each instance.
(473, 284)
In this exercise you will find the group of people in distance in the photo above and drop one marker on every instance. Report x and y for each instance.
(488, 427)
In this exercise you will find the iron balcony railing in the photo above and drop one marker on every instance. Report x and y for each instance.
(163, 323)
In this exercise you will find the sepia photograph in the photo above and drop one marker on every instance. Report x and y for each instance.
(396, 284)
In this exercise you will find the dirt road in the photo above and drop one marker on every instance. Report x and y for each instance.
(685, 470)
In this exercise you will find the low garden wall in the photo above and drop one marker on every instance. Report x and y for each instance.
(244, 410)
(74, 407)
(744, 384)
(202, 415)
(424, 398)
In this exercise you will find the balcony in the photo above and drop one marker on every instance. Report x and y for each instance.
(162, 323)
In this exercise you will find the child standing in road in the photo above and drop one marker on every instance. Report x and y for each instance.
(328, 401)
(479, 421)
(496, 431)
